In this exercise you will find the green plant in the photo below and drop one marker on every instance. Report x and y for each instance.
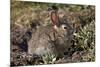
(85, 40)
(49, 58)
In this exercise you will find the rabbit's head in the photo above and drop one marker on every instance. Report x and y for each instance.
(63, 31)
(60, 25)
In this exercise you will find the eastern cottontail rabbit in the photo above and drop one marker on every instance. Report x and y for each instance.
(53, 39)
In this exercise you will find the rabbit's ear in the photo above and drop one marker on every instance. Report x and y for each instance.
(54, 17)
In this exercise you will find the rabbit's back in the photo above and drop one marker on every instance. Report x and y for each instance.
(40, 42)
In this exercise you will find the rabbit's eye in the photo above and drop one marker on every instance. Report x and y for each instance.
(64, 27)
